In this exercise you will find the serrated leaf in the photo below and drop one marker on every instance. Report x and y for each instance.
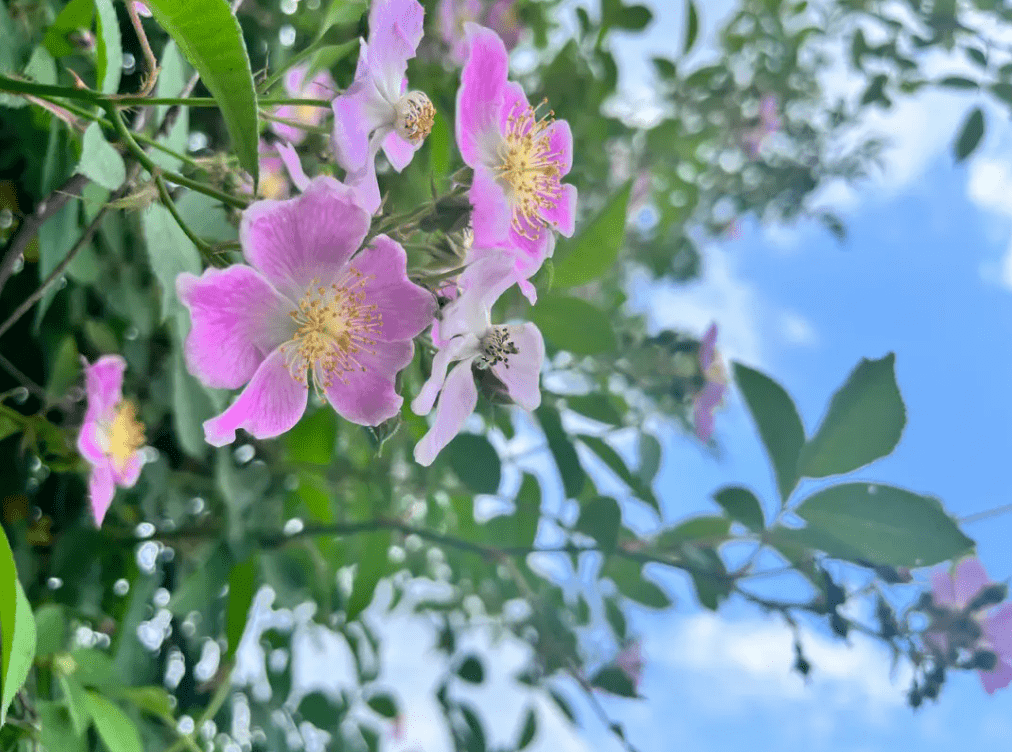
(600, 518)
(864, 422)
(574, 324)
(475, 461)
(594, 251)
(778, 422)
(117, 732)
(970, 134)
(741, 505)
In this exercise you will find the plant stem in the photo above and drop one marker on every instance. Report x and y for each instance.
(163, 192)
(149, 57)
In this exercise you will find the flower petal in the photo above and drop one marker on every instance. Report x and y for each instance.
(103, 384)
(101, 489)
(707, 348)
(456, 401)
(483, 282)
(399, 151)
(521, 373)
(998, 629)
(479, 97)
(562, 214)
(270, 404)
(702, 413)
(368, 396)
(308, 237)
(491, 211)
(942, 592)
(238, 320)
(90, 443)
(395, 29)
(358, 111)
(998, 678)
(459, 348)
(406, 309)
(126, 476)
(968, 580)
(292, 163)
(560, 138)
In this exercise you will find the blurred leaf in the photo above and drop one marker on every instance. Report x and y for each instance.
(171, 80)
(383, 704)
(529, 730)
(880, 524)
(328, 56)
(321, 711)
(17, 630)
(864, 422)
(617, 465)
(777, 419)
(341, 13)
(704, 528)
(970, 135)
(634, 18)
(600, 518)
(170, 253)
(203, 586)
(650, 457)
(958, 82)
(741, 505)
(613, 679)
(76, 15)
(100, 162)
(152, 700)
(191, 405)
(56, 238)
(476, 462)
(314, 437)
(475, 737)
(64, 371)
(616, 619)
(109, 52)
(628, 577)
(573, 324)
(77, 703)
(709, 575)
(471, 670)
(518, 529)
(563, 705)
(596, 405)
(691, 26)
(50, 622)
(242, 586)
(595, 249)
(57, 732)
(117, 732)
(566, 459)
(209, 36)
(93, 668)
(372, 565)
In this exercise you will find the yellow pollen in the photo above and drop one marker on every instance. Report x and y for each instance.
(415, 116)
(126, 433)
(335, 327)
(530, 169)
(307, 114)
(716, 374)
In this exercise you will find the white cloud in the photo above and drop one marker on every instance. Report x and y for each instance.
(989, 185)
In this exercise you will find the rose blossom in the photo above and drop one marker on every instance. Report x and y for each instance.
(630, 662)
(306, 308)
(518, 156)
(377, 110)
(501, 17)
(111, 437)
(710, 396)
(320, 87)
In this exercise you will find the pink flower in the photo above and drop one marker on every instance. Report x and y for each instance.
(712, 393)
(955, 592)
(111, 436)
(518, 157)
(630, 661)
(321, 87)
(142, 9)
(511, 354)
(307, 307)
(377, 110)
(501, 17)
(769, 123)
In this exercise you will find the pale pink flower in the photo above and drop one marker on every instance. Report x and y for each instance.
(306, 308)
(955, 592)
(321, 87)
(142, 9)
(630, 661)
(111, 437)
(769, 123)
(377, 111)
(512, 354)
(500, 16)
(712, 393)
(518, 156)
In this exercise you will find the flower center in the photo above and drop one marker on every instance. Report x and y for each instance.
(716, 374)
(126, 433)
(335, 325)
(415, 116)
(529, 169)
(496, 347)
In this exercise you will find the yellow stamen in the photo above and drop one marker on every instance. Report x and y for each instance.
(415, 117)
(335, 325)
(126, 433)
(529, 169)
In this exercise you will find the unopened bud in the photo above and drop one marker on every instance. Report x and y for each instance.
(82, 39)
(415, 116)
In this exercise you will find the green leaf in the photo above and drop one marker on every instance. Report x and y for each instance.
(329, 55)
(191, 403)
(51, 624)
(880, 524)
(970, 135)
(152, 700)
(518, 529)
(691, 26)
(93, 668)
(314, 438)
(203, 586)
(708, 573)
(17, 630)
(476, 462)
(471, 670)
(573, 324)
(58, 733)
(529, 730)
(617, 465)
(613, 679)
(384, 704)
(170, 253)
(958, 82)
(705, 528)
(209, 37)
(100, 161)
(777, 419)
(117, 732)
(65, 369)
(566, 459)
(595, 250)
(56, 238)
(341, 13)
(372, 565)
(864, 422)
(596, 405)
(741, 505)
(321, 711)
(650, 457)
(242, 586)
(77, 703)
(76, 15)
(634, 18)
(171, 81)
(109, 55)
(628, 578)
(600, 518)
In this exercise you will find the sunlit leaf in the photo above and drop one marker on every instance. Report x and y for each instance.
(594, 250)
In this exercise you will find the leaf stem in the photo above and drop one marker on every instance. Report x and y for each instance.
(163, 192)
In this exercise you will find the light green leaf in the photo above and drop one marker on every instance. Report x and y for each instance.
(600, 518)
(100, 161)
(741, 505)
(191, 406)
(628, 578)
(58, 733)
(778, 422)
(372, 565)
(17, 630)
(476, 462)
(517, 530)
(117, 732)
(864, 422)
(64, 370)
(109, 55)
(41, 66)
(76, 15)
(573, 324)
(77, 703)
(152, 700)
(595, 250)
(242, 585)
(707, 528)
(171, 80)
(882, 525)
(51, 623)
(209, 36)
(341, 13)
(314, 438)
(170, 253)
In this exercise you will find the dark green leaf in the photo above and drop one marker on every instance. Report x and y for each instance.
(372, 565)
(600, 518)
(341, 13)
(573, 324)
(384, 705)
(882, 525)
(706, 528)
(117, 732)
(691, 26)
(596, 405)
(777, 419)
(203, 586)
(634, 18)
(595, 250)
(613, 679)
(864, 422)
(109, 52)
(970, 135)
(152, 700)
(741, 505)
(321, 711)
(65, 369)
(100, 162)
(471, 670)
(314, 437)
(573, 476)
(617, 465)
(563, 704)
(58, 733)
(650, 458)
(51, 623)
(476, 462)
(209, 36)
(191, 402)
(958, 82)
(529, 730)
(242, 586)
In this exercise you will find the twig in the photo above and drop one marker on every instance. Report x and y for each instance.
(26, 382)
(148, 85)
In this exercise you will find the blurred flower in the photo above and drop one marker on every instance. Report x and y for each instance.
(321, 87)
(518, 158)
(512, 354)
(630, 661)
(769, 123)
(306, 307)
(710, 396)
(377, 110)
(111, 437)
(142, 9)
(956, 592)
(501, 17)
